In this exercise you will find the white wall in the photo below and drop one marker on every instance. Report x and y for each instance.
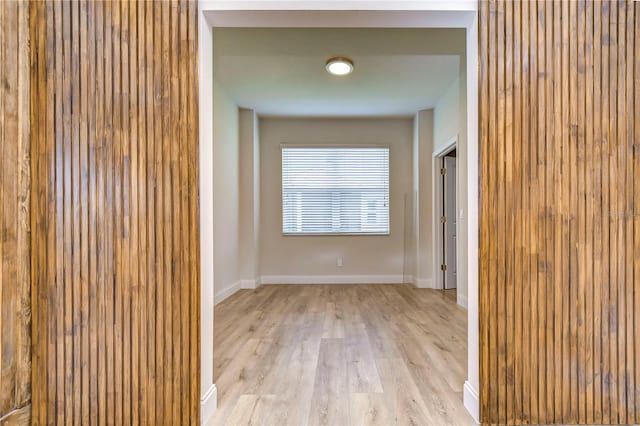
(450, 117)
(422, 183)
(295, 256)
(447, 116)
(249, 193)
(225, 194)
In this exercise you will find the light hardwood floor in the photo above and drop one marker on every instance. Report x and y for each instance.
(340, 355)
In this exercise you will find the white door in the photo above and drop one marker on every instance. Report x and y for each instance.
(449, 219)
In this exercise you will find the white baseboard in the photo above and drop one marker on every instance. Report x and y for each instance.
(462, 300)
(208, 404)
(424, 283)
(410, 279)
(225, 293)
(331, 279)
(471, 401)
(249, 284)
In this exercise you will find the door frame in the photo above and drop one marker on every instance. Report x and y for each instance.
(348, 14)
(438, 209)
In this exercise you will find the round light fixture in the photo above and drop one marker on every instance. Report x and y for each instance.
(339, 66)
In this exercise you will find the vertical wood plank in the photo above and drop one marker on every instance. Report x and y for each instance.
(119, 71)
(184, 220)
(98, 89)
(630, 383)
(589, 166)
(48, 118)
(580, 240)
(114, 153)
(159, 259)
(5, 400)
(517, 208)
(23, 315)
(636, 203)
(542, 160)
(492, 372)
(557, 185)
(38, 379)
(128, 82)
(598, 215)
(509, 206)
(8, 215)
(566, 355)
(526, 217)
(15, 218)
(606, 291)
(166, 218)
(550, 200)
(484, 293)
(533, 206)
(566, 264)
(501, 272)
(613, 205)
(142, 216)
(58, 322)
(150, 178)
(109, 252)
(620, 211)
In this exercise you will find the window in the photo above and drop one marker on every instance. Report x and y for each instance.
(335, 190)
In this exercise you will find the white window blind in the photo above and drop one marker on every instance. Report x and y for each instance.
(335, 190)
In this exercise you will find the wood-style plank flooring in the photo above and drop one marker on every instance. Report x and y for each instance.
(340, 355)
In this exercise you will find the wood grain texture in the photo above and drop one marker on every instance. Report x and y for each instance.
(15, 291)
(114, 193)
(340, 355)
(559, 213)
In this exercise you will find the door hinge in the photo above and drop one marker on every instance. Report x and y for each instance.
(443, 171)
(443, 219)
(443, 267)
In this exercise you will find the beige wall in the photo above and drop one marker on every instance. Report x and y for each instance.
(247, 193)
(225, 192)
(423, 185)
(317, 255)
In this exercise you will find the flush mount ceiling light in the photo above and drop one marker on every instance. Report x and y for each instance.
(339, 66)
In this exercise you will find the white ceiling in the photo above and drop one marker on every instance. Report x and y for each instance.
(280, 71)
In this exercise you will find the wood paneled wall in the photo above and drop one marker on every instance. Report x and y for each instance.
(15, 304)
(560, 211)
(114, 201)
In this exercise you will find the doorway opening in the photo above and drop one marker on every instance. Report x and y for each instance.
(446, 217)
(219, 14)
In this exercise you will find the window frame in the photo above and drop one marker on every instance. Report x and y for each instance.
(333, 234)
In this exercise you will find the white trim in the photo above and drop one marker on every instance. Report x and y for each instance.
(208, 404)
(249, 284)
(437, 206)
(473, 325)
(424, 283)
(227, 292)
(462, 301)
(343, 5)
(206, 207)
(331, 279)
(447, 148)
(336, 145)
(471, 401)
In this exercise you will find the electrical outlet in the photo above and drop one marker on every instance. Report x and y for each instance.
(339, 262)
